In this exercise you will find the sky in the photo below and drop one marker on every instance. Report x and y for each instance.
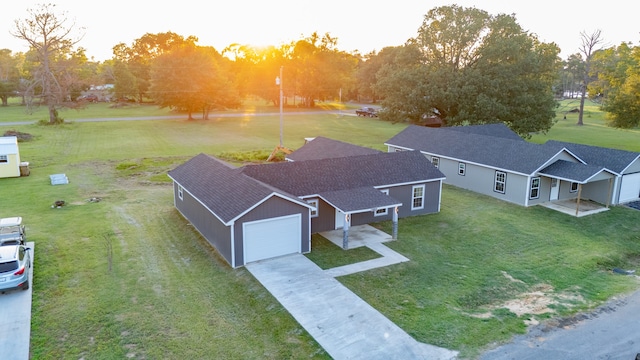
(359, 25)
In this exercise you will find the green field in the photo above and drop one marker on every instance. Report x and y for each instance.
(169, 295)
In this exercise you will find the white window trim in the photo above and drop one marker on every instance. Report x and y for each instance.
(315, 211)
(385, 211)
(435, 161)
(537, 188)
(462, 168)
(496, 182)
(180, 192)
(413, 197)
(571, 187)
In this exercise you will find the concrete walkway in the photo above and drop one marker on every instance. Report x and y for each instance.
(340, 321)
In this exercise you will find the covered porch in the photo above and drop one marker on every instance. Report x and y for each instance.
(355, 201)
(590, 188)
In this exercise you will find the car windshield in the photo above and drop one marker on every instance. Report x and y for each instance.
(8, 266)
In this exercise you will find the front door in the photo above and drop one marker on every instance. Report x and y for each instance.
(555, 189)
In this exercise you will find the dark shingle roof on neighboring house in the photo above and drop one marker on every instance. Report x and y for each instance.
(323, 148)
(312, 177)
(226, 191)
(497, 130)
(612, 159)
(576, 172)
(501, 153)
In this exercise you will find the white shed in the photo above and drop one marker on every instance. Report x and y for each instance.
(9, 157)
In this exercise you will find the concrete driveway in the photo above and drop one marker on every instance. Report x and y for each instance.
(15, 320)
(340, 321)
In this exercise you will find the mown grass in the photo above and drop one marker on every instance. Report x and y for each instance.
(459, 255)
(595, 130)
(170, 295)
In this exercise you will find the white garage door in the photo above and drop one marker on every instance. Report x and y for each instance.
(630, 188)
(272, 237)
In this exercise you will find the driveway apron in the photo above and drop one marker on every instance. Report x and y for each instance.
(340, 321)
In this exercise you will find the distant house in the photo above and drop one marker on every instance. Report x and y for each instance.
(262, 211)
(9, 157)
(324, 148)
(493, 160)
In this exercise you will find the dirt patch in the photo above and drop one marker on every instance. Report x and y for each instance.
(540, 299)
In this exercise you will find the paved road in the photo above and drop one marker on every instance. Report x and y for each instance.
(183, 117)
(610, 332)
(15, 320)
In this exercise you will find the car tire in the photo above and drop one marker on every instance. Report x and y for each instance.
(26, 286)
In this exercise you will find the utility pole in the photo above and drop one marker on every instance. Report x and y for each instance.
(280, 148)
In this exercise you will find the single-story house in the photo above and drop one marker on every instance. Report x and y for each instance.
(323, 148)
(9, 157)
(257, 212)
(493, 160)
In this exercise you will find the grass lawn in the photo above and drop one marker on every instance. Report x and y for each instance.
(169, 295)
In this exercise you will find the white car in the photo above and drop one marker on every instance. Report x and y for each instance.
(15, 265)
(12, 232)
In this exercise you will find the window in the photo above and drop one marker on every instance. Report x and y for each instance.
(535, 188)
(385, 211)
(314, 203)
(417, 202)
(398, 150)
(435, 161)
(462, 167)
(501, 181)
(574, 187)
(180, 192)
(4, 158)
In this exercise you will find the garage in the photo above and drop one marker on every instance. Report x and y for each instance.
(272, 237)
(630, 188)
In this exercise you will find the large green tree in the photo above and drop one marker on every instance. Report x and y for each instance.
(192, 78)
(135, 61)
(9, 75)
(618, 83)
(474, 68)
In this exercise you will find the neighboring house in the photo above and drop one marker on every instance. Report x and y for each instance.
(9, 157)
(324, 148)
(492, 160)
(261, 211)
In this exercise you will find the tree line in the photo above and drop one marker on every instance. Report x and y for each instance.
(464, 66)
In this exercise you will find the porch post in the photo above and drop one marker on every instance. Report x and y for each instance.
(345, 232)
(578, 201)
(394, 233)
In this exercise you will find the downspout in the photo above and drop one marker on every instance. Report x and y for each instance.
(233, 245)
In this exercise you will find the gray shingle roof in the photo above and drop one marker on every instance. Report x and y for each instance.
(498, 130)
(304, 178)
(499, 152)
(568, 170)
(613, 159)
(360, 199)
(226, 191)
(323, 148)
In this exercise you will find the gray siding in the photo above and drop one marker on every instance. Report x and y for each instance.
(212, 229)
(326, 219)
(545, 191)
(597, 191)
(273, 207)
(634, 168)
(481, 179)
